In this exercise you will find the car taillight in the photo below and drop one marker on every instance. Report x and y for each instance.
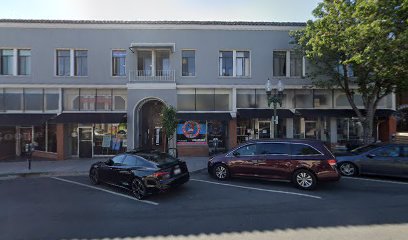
(332, 162)
(161, 175)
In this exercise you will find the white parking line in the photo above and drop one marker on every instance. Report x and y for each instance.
(103, 190)
(375, 180)
(258, 189)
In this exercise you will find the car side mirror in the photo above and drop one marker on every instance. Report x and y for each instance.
(236, 154)
(109, 162)
(370, 155)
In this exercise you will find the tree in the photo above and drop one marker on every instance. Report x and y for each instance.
(368, 36)
(169, 123)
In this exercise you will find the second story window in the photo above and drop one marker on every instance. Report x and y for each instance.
(72, 62)
(119, 63)
(81, 63)
(226, 63)
(234, 63)
(242, 60)
(188, 63)
(287, 64)
(6, 62)
(63, 63)
(24, 62)
(279, 63)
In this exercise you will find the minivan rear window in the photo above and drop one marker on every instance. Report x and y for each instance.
(303, 149)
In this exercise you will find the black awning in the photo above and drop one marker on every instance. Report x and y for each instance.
(204, 116)
(340, 112)
(28, 119)
(90, 118)
(264, 113)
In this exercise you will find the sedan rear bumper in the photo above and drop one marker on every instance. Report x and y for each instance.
(172, 182)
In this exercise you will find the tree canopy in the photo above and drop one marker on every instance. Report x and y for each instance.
(368, 38)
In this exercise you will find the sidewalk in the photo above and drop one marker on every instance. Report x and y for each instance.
(12, 169)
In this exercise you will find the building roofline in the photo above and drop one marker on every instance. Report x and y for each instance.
(122, 22)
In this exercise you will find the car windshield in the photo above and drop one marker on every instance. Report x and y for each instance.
(363, 149)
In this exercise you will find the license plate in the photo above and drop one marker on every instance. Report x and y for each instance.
(177, 171)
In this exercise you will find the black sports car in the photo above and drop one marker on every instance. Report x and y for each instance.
(142, 173)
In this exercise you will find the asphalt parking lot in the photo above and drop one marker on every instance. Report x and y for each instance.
(69, 207)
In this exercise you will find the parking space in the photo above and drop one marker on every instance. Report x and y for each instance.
(203, 205)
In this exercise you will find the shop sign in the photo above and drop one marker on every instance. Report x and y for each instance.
(191, 132)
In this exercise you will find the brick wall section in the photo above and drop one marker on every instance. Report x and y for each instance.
(192, 150)
(60, 142)
(387, 129)
(232, 132)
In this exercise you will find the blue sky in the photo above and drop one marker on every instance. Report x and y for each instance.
(200, 10)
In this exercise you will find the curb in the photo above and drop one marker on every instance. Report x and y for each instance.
(40, 174)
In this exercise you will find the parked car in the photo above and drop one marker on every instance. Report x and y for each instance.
(386, 159)
(142, 173)
(303, 162)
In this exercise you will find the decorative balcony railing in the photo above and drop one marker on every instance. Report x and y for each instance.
(152, 76)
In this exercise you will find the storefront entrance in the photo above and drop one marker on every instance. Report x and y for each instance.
(150, 128)
(85, 142)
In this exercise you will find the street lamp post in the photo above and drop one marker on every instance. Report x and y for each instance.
(274, 98)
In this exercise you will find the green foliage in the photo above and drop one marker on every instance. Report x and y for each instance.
(169, 120)
(369, 35)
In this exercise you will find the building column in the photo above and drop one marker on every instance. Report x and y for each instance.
(333, 130)
(60, 142)
(232, 133)
(289, 127)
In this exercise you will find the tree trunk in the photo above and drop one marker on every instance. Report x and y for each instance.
(368, 124)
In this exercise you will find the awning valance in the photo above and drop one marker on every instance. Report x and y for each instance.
(204, 116)
(90, 118)
(263, 113)
(171, 46)
(26, 119)
(340, 112)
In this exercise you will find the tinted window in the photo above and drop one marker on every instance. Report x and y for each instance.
(365, 148)
(131, 161)
(246, 150)
(273, 148)
(404, 151)
(117, 160)
(302, 149)
(391, 151)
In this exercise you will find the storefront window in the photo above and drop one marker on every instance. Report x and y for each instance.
(87, 99)
(51, 99)
(349, 129)
(246, 98)
(120, 99)
(342, 101)
(2, 107)
(322, 99)
(110, 139)
(186, 100)
(71, 99)
(303, 99)
(205, 99)
(104, 99)
(39, 138)
(191, 132)
(13, 99)
(33, 99)
(222, 100)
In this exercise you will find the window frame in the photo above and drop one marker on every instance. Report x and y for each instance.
(195, 65)
(305, 144)
(29, 62)
(234, 63)
(288, 69)
(112, 63)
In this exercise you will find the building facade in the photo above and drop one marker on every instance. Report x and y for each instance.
(96, 88)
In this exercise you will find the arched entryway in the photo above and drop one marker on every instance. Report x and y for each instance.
(149, 129)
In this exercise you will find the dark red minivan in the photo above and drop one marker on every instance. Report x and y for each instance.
(303, 162)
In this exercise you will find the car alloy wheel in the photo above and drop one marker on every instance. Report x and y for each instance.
(221, 172)
(138, 189)
(93, 175)
(304, 179)
(348, 169)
